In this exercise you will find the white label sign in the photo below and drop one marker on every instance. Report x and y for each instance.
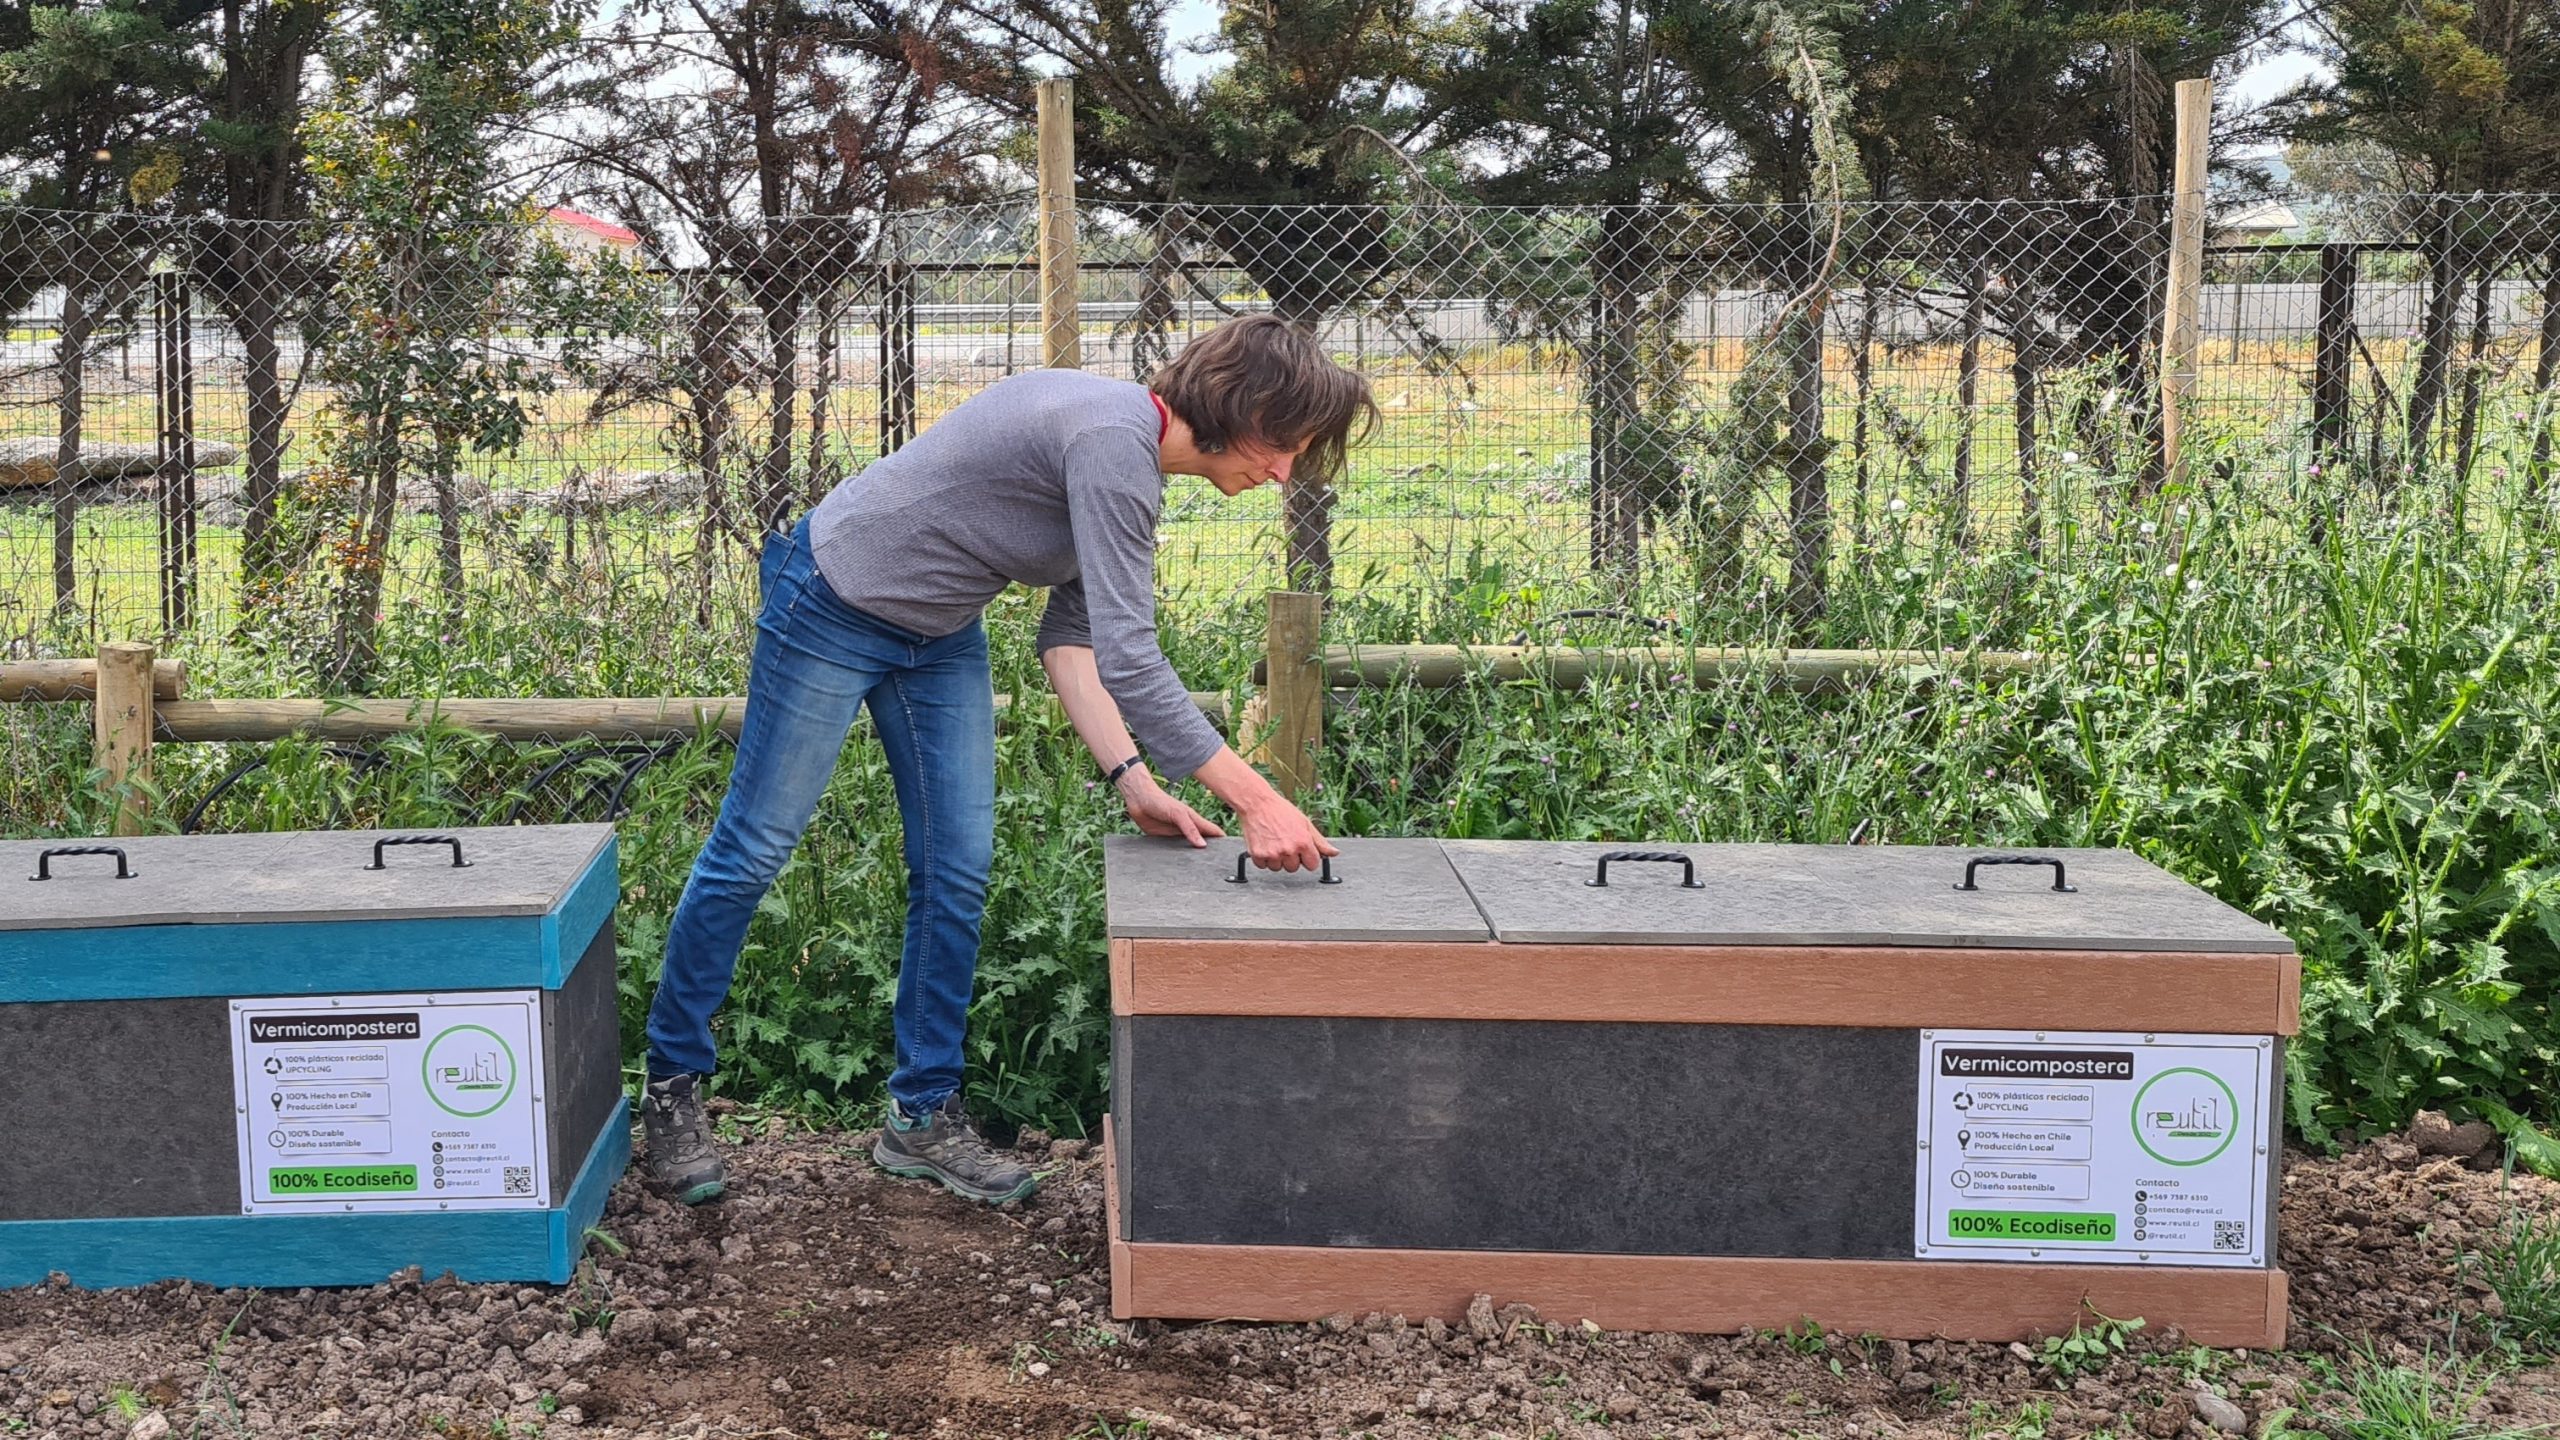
(390, 1102)
(2075, 1146)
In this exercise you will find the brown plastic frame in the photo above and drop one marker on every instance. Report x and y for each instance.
(1881, 987)
(1897, 1299)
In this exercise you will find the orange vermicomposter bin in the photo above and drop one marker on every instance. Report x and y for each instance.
(1901, 1090)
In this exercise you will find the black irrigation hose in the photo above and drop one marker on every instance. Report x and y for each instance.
(615, 809)
(569, 756)
(362, 758)
(1605, 612)
(632, 758)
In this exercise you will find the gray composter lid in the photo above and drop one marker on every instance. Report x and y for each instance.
(1389, 890)
(295, 875)
(1537, 892)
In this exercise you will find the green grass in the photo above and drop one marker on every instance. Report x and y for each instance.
(2373, 1399)
(2521, 1265)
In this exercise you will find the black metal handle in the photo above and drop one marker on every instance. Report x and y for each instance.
(44, 859)
(1246, 859)
(458, 862)
(1688, 867)
(1978, 861)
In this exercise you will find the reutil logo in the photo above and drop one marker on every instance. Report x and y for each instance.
(469, 1071)
(2184, 1116)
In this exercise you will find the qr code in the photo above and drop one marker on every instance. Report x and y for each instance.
(2230, 1234)
(519, 1179)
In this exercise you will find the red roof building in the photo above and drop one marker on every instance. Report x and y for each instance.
(579, 231)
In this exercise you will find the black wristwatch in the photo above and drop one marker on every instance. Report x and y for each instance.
(1123, 768)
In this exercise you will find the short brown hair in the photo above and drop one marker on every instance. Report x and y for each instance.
(1264, 379)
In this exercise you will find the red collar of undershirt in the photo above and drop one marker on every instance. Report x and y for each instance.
(1164, 417)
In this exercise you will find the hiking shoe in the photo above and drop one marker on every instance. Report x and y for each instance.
(682, 1160)
(942, 1145)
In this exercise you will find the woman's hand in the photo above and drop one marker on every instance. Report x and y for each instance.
(1156, 812)
(1279, 836)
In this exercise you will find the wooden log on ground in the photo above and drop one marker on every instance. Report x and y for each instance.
(78, 679)
(527, 719)
(1441, 666)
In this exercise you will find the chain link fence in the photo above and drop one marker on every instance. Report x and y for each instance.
(229, 434)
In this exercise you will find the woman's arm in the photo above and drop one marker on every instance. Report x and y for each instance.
(1277, 834)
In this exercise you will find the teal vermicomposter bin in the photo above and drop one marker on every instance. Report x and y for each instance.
(310, 1058)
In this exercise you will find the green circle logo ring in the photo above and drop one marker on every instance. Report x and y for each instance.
(2186, 1119)
(462, 1075)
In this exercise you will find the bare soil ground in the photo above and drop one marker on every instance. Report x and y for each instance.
(823, 1298)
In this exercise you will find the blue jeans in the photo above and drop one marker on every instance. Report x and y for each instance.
(817, 662)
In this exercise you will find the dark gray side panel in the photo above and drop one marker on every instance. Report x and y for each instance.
(1518, 1135)
(118, 1108)
(582, 1058)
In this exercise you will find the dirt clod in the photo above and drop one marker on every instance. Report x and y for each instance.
(2434, 1134)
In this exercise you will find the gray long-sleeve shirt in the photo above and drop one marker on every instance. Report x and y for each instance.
(1046, 478)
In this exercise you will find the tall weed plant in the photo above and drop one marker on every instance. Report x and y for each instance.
(2347, 736)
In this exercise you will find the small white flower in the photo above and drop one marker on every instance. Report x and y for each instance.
(2195, 587)
(2070, 457)
(2150, 529)
(1897, 507)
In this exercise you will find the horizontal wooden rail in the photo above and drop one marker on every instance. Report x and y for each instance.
(535, 719)
(1442, 666)
(78, 679)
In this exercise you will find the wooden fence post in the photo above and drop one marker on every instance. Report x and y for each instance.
(1062, 344)
(124, 722)
(1294, 668)
(2178, 332)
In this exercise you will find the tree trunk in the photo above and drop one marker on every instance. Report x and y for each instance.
(1307, 509)
(2546, 382)
(712, 420)
(360, 603)
(1862, 374)
(449, 527)
(2444, 300)
(2023, 400)
(2139, 356)
(1808, 479)
(821, 475)
(70, 353)
(1610, 392)
(711, 416)
(1968, 393)
(263, 480)
(2333, 381)
(2475, 359)
(782, 350)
